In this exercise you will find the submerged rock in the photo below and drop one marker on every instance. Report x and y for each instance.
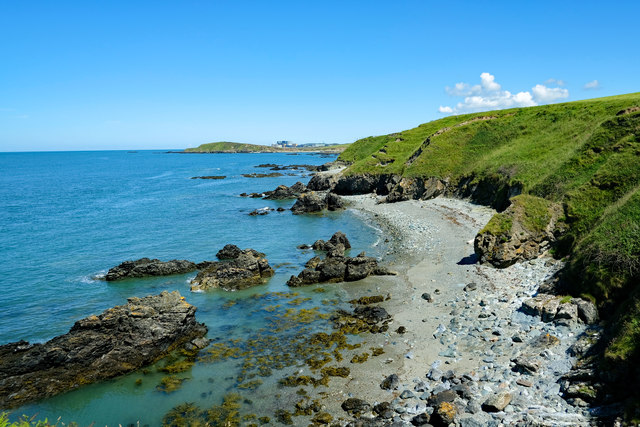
(239, 270)
(120, 340)
(145, 267)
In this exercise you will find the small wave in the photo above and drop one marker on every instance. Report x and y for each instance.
(162, 175)
(92, 279)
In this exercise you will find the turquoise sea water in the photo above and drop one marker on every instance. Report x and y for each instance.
(66, 217)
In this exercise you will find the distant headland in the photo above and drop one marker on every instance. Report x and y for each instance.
(279, 147)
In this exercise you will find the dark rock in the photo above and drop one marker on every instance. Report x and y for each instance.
(145, 267)
(470, 287)
(355, 184)
(257, 212)
(443, 396)
(427, 297)
(229, 252)
(304, 247)
(281, 209)
(120, 340)
(587, 311)
(401, 330)
(261, 175)
(372, 314)
(246, 269)
(390, 383)
(282, 192)
(256, 195)
(355, 406)
(567, 313)
(321, 182)
(384, 410)
(334, 202)
(209, 177)
(497, 402)
(420, 419)
(309, 202)
(414, 189)
(336, 267)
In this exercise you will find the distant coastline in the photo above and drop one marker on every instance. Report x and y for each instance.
(236, 147)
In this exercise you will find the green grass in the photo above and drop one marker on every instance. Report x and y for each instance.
(583, 156)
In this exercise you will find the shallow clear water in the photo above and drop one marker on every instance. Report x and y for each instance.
(67, 217)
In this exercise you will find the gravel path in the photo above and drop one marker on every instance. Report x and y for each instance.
(463, 327)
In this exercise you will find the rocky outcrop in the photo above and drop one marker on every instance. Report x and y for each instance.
(282, 192)
(120, 340)
(338, 238)
(349, 185)
(209, 177)
(322, 182)
(336, 267)
(239, 269)
(145, 267)
(316, 202)
(414, 189)
(522, 232)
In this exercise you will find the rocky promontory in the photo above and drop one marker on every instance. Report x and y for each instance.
(315, 202)
(120, 340)
(239, 269)
(145, 267)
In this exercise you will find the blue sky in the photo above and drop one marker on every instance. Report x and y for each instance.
(163, 74)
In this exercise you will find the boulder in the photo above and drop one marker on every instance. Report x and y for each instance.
(544, 306)
(444, 414)
(355, 406)
(356, 184)
(282, 192)
(120, 340)
(338, 238)
(587, 311)
(314, 202)
(145, 267)
(229, 252)
(240, 270)
(525, 230)
(497, 402)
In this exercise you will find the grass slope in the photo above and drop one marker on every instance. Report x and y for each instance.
(584, 155)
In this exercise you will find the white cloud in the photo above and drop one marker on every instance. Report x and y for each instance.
(488, 95)
(555, 82)
(545, 95)
(594, 84)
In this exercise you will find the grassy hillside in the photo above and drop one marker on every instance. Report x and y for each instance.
(236, 147)
(584, 155)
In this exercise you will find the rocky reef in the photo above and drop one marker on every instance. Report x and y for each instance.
(120, 340)
(282, 192)
(316, 202)
(239, 269)
(145, 267)
(336, 267)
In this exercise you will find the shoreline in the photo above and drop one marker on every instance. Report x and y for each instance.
(474, 333)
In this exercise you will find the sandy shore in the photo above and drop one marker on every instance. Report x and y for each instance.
(471, 327)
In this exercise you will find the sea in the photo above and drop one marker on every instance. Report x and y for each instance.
(67, 217)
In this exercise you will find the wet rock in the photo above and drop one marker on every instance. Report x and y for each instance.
(209, 177)
(282, 192)
(497, 402)
(242, 270)
(587, 311)
(355, 406)
(336, 267)
(120, 340)
(146, 267)
(390, 383)
(229, 252)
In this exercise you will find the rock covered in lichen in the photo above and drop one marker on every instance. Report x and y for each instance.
(118, 341)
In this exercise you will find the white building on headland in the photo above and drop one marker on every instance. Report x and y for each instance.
(285, 144)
